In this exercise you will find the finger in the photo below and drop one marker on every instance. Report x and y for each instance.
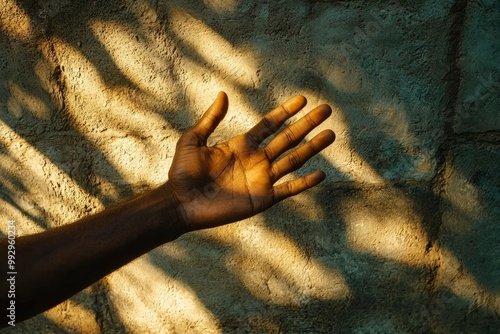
(295, 159)
(293, 135)
(211, 118)
(275, 119)
(294, 187)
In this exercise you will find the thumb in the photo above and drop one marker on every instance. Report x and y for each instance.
(211, 118)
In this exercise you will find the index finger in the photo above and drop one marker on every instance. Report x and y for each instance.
(275, 119)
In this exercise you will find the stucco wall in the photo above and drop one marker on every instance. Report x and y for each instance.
(402, 237)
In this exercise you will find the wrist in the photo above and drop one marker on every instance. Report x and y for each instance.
(175, 218)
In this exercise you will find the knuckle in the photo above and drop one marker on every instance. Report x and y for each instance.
(293, 160)
(276, 171)
(283, 111)
(290, 136)
(310, 120)
(253, 139)
(268, 124)
(269, 153)
(187, 138)
(313, 146)
(307, 182)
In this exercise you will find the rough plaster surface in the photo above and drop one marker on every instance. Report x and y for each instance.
(401, 238)
(478, 100)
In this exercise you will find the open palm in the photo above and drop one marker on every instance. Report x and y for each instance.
(235, 179)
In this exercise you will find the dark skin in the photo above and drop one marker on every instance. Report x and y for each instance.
(207, 187)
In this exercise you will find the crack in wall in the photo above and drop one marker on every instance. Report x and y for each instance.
(444, 155)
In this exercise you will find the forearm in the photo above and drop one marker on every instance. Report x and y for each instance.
(54, 265)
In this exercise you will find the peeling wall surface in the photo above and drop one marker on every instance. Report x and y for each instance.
(402, 237)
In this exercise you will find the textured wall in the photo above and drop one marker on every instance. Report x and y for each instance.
(403, 236)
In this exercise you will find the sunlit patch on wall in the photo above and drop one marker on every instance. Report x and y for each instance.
(143, 294)
(135, 57)
(89, 98)
(174, 251)
(131, 157)
(20, 100)
(455, 277)
(343, 156)
(281, 273)
(238, 64)
(130, 136)
(387, 226)
(73, 317)
(51, 189)
(21, 213)
(83, 83)
(306, 207)
(465, 200)
(15, 22)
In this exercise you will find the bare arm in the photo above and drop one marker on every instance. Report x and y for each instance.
(207, 187)
(54, 265)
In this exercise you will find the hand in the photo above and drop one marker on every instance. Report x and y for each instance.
(235, 179)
